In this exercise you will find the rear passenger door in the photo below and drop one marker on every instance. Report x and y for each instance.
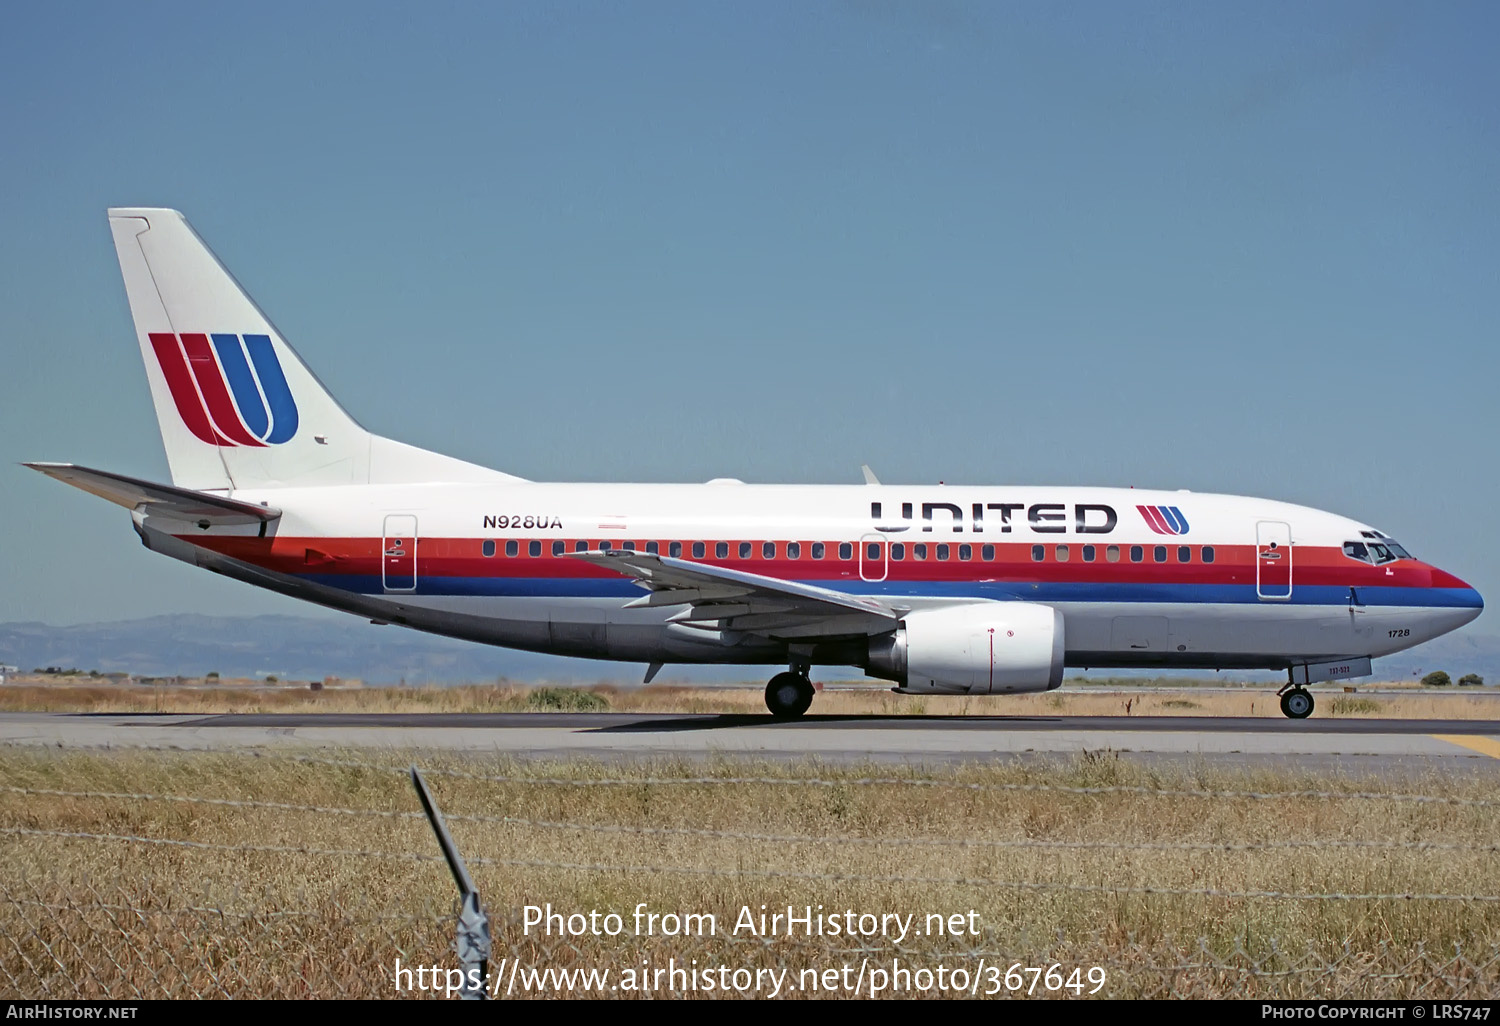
(398, 553)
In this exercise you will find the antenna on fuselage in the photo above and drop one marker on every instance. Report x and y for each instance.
(870, 478)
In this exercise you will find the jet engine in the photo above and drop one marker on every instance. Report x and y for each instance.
(983, 648)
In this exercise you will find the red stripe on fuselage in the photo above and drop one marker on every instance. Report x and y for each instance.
(463, 557)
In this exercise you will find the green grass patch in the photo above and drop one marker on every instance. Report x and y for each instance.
(566, 700)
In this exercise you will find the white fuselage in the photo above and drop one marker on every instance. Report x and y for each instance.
(1142, 578)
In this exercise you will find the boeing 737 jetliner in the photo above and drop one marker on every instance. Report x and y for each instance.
(951, 590)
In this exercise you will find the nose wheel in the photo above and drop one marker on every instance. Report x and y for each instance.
(1297, 703)
(788, 695)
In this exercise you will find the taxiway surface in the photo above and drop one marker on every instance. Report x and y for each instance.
(1343, 744)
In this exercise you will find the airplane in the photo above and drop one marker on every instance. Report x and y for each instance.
(938, 589)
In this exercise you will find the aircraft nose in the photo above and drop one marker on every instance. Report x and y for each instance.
(1465, 602)
(1473, 605)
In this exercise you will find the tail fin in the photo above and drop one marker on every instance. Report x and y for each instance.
(236, 406)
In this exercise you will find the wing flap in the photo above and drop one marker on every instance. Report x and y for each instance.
(136, 494)
(735, 600)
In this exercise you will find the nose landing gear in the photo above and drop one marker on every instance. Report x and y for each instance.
(1296, 702)
(789, 694)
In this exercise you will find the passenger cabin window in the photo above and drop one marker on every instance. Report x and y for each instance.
(652, 548)
(721, 550)
(1088, 553)
(697, 550)
(846, 550)
(534, 549)
(1038, 553)
(744, 550)
(558, 548)
(488, 548)
(817, 550)
(919, 552)
(1208, 553)
(1184, 554)
(605, 546)
(511, 548)
(1112, 554)
(872, 550)
(793, 550)
(965, 552)
(1137, 553)
(1159, 553)
(674, 549)
(768, 550)
(1062, 553)
(898, 551)
(628, 546)
(987, 553)
(582, 546)
(942, 552)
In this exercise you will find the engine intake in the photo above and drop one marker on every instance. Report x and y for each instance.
(984, 648)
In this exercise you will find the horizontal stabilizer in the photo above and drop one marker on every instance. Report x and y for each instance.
(135, 494)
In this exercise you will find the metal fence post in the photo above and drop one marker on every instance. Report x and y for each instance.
(473, 944)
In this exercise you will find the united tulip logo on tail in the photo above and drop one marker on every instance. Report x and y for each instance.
(230, 391)
(1164, 519)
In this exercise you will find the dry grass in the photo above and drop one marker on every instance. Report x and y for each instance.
(870, 699)
(120, 916)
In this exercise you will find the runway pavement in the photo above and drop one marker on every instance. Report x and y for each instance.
(1352, 745)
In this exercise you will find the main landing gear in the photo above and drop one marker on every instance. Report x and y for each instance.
(1296, 702)
(789, 694)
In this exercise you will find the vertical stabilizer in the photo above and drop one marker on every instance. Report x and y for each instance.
(236, 406)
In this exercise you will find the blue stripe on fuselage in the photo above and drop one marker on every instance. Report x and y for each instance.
(590, 587)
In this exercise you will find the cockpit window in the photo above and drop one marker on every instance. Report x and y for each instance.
(1376, 552)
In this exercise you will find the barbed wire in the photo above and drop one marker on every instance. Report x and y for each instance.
(979, 786)
(226, 913)
(263, 849)
(736, 835)
(233, 803)
(1045, 788)
(774, 874)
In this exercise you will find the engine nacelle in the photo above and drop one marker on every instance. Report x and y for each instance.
(985, 648)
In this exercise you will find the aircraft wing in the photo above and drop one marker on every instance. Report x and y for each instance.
(135, 494)
(720, 599)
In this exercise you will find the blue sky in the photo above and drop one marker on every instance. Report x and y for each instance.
(1248, 249)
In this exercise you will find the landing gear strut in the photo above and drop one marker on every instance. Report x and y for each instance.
(789, 694)
(1297, 702)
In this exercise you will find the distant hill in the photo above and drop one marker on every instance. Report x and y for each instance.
(306, 648)
(303, 648)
